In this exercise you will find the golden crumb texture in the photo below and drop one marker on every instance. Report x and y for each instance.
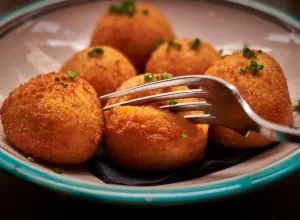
(54, 118)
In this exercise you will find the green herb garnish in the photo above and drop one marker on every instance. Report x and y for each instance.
(248, 53)
(145, 11)
(96, 50)
(56, 170)
(297, 107)
(166, 75)
(173, 102)
(30, 159)
(71, 74)
(174, 44)
(157, 77)
(148, 77)
(56, 78)
(64, 84)
(125, 7)
(195, 43)
(184, 136)
(157, 44)
(253, 66)
(243, 70)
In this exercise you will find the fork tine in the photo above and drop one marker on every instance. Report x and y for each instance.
(201, 119)
(194, 93)
(174, 81)
(188, 106)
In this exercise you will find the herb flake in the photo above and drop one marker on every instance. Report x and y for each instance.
(56, 170)
(253, 66)
(56, 78)
(296, 107)
(166, 75)
(195, 43)
(174, 44)
(148, 77)
(64, 84)
(183, 136)
(71, 74)
(173, 102)
(30, 159)
(96, 50)
(157, 44)
(125, 7)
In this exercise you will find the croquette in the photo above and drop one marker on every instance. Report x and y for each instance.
(150, 139)
(134, 31)
(54, 117)
(183, 57)
(104, 67)
(262, 83)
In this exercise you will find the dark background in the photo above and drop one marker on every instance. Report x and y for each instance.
(20, 199)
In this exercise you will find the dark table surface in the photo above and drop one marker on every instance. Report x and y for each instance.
(20, 199)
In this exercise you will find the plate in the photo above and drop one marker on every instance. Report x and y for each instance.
(39, 37)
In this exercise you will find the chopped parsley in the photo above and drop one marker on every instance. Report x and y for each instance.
(243, 70)
(30, 159)
(64, 84)
(173, 102)
(56, 170)
(248, 53)
(174, 44)
(56, 78)
(166, 75)
(297, 107)
(195, 43)
(125, 7)
(145, 11)
(157, 77)
(96, 50)
(184, 136)
(157, 44)
(71, 74)
(148, 77)
(253, 66)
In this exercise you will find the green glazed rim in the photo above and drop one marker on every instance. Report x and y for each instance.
(153, 196)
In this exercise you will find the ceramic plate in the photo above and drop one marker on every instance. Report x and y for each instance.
(38, 38)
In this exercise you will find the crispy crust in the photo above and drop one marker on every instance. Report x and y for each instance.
(54, 123)
(267, 94)
(147, 138)
(186, 61)
(135, 35)
(104, 72)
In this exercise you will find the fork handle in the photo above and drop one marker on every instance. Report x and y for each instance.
(279, 133)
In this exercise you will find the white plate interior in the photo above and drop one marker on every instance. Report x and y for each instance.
(42, 44)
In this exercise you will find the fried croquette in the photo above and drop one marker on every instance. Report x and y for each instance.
(148, 138)
(134, 33)
(103, 67)
(55, 118)
(262, 83)
(183, 57)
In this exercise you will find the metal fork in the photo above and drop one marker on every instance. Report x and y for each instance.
(225, 105)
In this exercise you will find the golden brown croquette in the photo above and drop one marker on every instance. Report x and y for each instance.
(134, 35)
(265, 91)
(151, 139)
(183, 57)
(54, 118)
(102, 66)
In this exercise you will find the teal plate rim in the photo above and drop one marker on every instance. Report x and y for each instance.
(154, 196)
